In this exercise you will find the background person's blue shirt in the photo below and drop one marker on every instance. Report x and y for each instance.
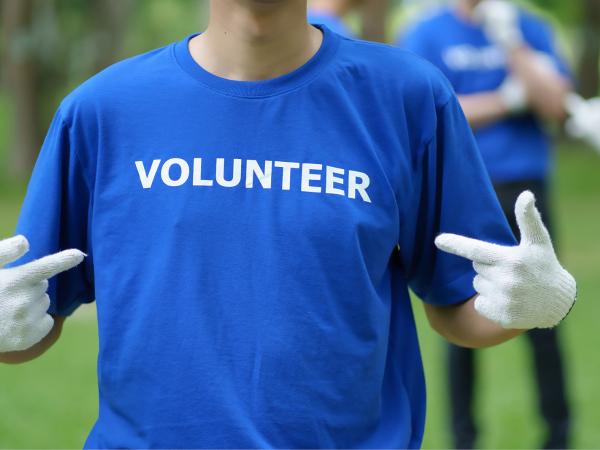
(331, 21)
(516, 148)
(251, 244)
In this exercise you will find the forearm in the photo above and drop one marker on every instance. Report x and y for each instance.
(38, 349)
(483, 108)
(462, 325)
(547, 88)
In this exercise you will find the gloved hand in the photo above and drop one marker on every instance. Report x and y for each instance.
(513, 94)
(519, 287)
(500, 21)
(24, 303)
(584, 119)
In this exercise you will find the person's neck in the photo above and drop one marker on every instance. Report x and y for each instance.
(465, 8)
(251, 44)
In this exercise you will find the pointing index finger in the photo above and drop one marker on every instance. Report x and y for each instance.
(473, 249)
(49, 266)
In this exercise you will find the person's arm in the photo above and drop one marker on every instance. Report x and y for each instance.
(513, 286)
(534, 85)
(483, 108)
(488, 107)
(546, 88)
(462, 325)
(38, 349)
(26, 328)
(536, 65)
(520, 287)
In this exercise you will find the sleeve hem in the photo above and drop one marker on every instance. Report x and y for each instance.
(453, 293)
(67, 310)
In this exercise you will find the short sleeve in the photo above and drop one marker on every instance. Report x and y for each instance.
(452, 193)
(419, 41)
(54, 217)
(415, 41)
(541, 38)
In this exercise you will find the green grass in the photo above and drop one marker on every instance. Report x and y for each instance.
(52, 402)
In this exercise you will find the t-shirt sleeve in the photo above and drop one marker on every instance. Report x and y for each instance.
(414, 40)
(451, 193)
(419, 41)
(54, 217)
(540, 36)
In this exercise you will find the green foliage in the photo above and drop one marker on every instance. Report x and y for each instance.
(68, 41)
(5, 127)
(158, 22)
(150, 24)
(565, 11)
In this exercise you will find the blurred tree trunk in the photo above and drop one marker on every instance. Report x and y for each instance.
(589, 75)
(374, 17)
(38, 55)
(108, 23)
(21, 77)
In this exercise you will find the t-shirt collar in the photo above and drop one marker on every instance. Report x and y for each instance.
(264, 88)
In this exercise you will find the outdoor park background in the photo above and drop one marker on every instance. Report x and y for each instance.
(50, 46)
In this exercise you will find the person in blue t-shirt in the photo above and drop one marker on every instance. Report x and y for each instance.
(331, 13)
(254, 202)
(509, 77)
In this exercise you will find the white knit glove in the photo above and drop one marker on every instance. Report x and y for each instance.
(584, 119)
(500, 22)
(520, 287)
(514, 94)
(24, 303)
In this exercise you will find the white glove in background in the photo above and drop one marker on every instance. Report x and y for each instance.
(514, 95)
(584, 119)
(521, 287)
(500, 21)
(24, 303)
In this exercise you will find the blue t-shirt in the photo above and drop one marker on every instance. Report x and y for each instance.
(331, 21)
(516, 148)
(251, 244)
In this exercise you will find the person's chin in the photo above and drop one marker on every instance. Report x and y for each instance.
(272, 4)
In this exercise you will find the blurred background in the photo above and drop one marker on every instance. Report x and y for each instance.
(48, 47)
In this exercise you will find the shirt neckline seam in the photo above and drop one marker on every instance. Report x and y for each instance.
(225, 93)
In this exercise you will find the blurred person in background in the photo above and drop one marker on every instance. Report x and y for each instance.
(254, 202)
(331, 13)
(510, 79)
